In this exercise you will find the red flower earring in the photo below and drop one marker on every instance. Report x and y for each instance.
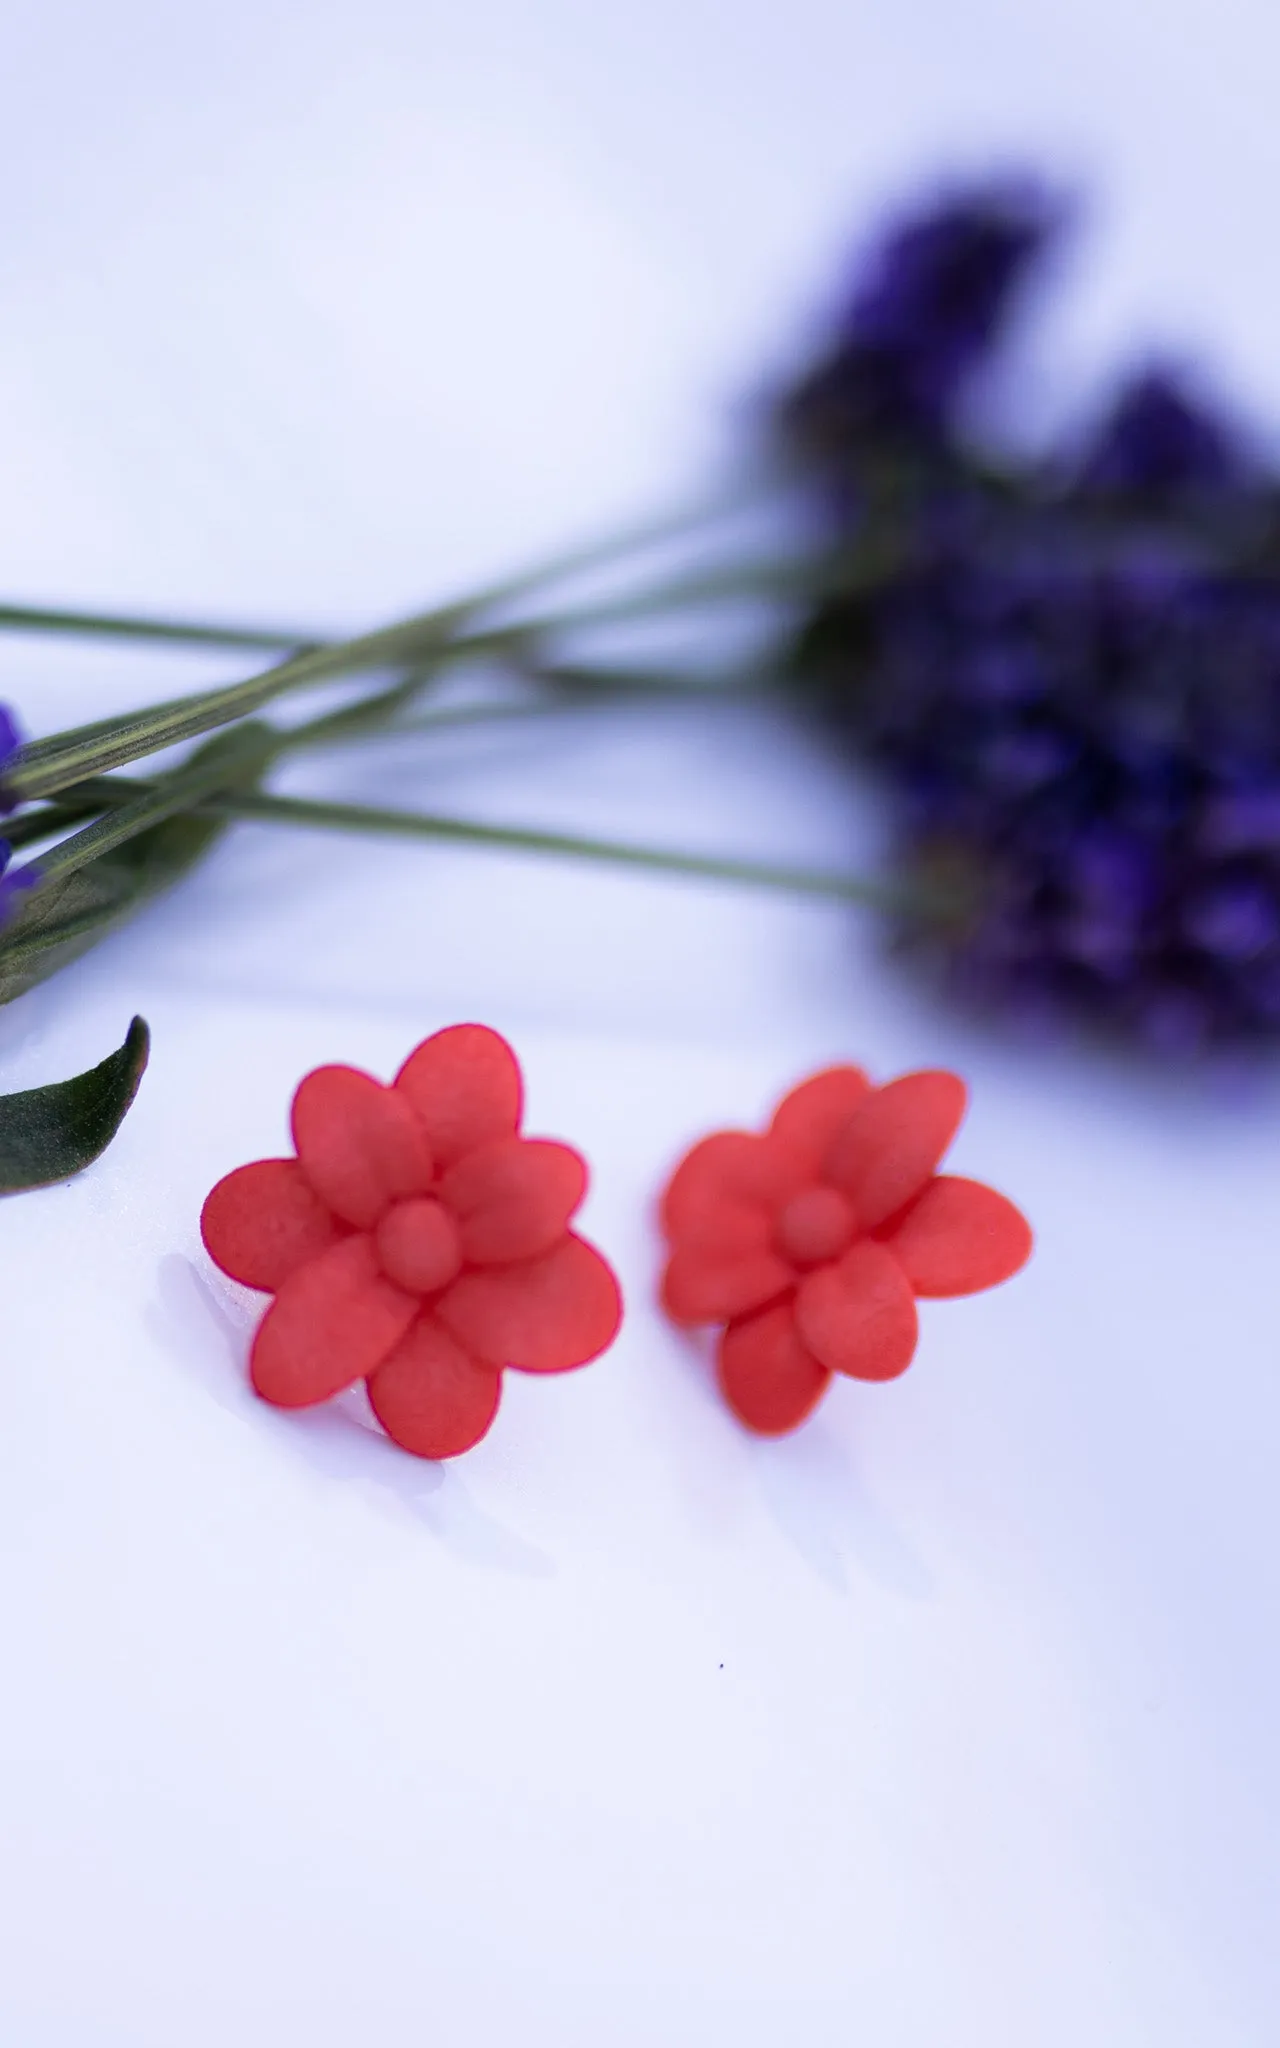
(810, 1243)
(417, 1242)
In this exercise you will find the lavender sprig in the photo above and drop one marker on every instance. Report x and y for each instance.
(1072, 684)
(1067, 668)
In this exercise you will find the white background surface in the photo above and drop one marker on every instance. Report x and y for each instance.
(950, 1720)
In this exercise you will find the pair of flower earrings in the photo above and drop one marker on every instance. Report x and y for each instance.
(419, 1242)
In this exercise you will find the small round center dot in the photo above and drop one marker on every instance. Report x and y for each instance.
(418, 1246)
(816, 1225)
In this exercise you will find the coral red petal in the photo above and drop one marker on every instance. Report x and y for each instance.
(767, 1375)
(706, 1284)
(729, 1166)
(513, 1198)
(431, 1396)
(893, 1141)
(731, 1229)
(464, 1084)
(332, 1323)
(264, 1221)
(544, 1315)
(359, 1143)
(859, 1316)
(960, 1237)
(808, 1118)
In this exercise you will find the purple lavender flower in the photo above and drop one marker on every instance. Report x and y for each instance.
(1068, 671)
(1099, 748)
(1160, 440)
(923, 315)
(10, 745)
(14, 882)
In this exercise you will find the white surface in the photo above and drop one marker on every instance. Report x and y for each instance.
(950, 1720)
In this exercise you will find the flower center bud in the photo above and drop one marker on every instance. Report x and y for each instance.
(815, 1225)
(418, 1246)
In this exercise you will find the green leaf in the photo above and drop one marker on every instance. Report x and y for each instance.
(70, 913)
(47, 1134)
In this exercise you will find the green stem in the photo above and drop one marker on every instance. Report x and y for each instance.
(576, 688)
(779, 580)
(429, 639)
(579, 688)
(50, 819)
(578, 683)
(54, 764)
(47, 766)
(20, 618)
(130, 794)
(205, 633)
(362, 818)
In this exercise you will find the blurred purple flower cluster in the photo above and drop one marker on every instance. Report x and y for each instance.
(921, 318)
(1068, 669)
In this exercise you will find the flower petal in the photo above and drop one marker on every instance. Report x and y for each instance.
(359, 1143)
(544, 1315)
(729, 1166)
(431, 1396)
(960, 1237)
(731, 1229)
(465, 1086)
(263, 1221)
(808, 1118)
(513, 1198)
(891, 1144)
(859, 1316)
(332, 1323)
(767, 1375)
(705, 1283)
